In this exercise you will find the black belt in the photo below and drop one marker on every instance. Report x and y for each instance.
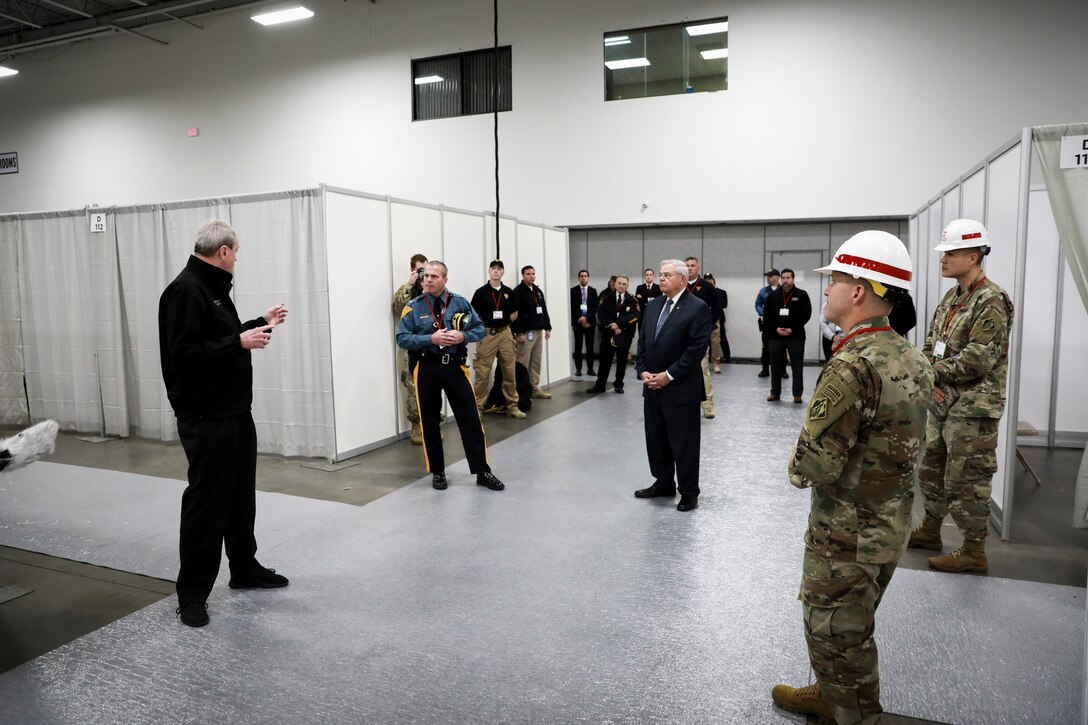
(444, 358)
(496, 330)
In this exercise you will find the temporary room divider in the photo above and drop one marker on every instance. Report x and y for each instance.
(79, 309)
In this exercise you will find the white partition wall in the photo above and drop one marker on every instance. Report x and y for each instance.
(1050, 327)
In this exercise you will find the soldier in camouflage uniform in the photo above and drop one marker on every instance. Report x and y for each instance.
(968, 344)
(407, 291)
(858, 452)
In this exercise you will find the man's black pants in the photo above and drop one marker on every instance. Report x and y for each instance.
(219, 505)
(583, 335)
(604, 361)
(432, 378)
(796, 350)
(673, 435)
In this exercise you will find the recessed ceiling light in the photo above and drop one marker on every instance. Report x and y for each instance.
(617, 40)
(5, 71)
(299, 12)
(627, 63)
(714, 54)
(708, 28)
(423, 80)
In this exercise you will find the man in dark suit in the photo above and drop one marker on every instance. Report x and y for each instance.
(646, 292)
(671, 343)
(785, 314)
(583, 313)
(617, 313)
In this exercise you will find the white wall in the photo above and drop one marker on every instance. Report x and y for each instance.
(834, 109)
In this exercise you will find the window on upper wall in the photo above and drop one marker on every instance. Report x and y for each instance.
(688, 57)
(462, 84)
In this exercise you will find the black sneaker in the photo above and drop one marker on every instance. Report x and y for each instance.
(488, 479)
(265, 578)
(438, 481)
(193, 614)
(763, 374)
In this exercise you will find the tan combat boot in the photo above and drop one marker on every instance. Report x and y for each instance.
(969, 557)
(927, 535)
(803, 700)
(417, 434)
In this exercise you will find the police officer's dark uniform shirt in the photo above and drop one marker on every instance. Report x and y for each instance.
(207, 372)
(709, 294)
(528, 299)
(487, 301)
(417, 323)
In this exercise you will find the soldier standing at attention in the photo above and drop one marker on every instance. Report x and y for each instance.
(857, 451)
(968, 344)
(435, 328)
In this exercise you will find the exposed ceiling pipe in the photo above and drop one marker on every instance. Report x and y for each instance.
(21, 21)
(67, 9)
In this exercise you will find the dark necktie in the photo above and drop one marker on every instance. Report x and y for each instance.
(661, 320)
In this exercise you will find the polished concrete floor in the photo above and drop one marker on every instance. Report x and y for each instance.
(562, 599)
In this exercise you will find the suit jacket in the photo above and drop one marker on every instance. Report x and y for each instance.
(576, 304)
(626, 315)
(679, 349)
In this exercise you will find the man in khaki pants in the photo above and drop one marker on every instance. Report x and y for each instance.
(494, 303)
(533, 323)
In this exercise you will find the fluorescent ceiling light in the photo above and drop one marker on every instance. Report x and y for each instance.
(627, 63)
(284, 16)
(617, 40)
(709, 28)
(714, 54)
(5, 71)
(423, 80)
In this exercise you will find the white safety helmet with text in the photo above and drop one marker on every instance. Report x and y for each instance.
(878, 257)
(964, 234)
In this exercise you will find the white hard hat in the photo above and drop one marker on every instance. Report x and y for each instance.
(876, 256)
(963, 234)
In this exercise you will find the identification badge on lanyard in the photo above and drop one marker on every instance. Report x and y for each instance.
(496, 315)
(540, 310)
(938, 350)
(784, 312)
(585, 308)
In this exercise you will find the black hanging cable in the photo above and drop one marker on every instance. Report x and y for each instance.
(495, 108)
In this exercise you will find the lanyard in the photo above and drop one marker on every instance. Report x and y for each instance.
(787, 297)
(859, 331)
(497, 296)
(952, 312)
(439, 322)
(535, 298)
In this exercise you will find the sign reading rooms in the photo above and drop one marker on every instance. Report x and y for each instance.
(9, 163)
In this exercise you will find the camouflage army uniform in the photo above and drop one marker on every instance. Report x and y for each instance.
(961, 438)
(863, 432)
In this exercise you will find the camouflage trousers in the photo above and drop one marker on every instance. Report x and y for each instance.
(957, 470)
(411, 404)
(839, 600)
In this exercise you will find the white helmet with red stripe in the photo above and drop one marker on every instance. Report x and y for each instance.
(878, 257)
(964, 234)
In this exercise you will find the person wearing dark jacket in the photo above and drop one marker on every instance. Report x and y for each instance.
(617, 316)
(646, 291)
(205, 354)
(785, 314)
(903, 318)
(583, 314)
(706, 292)
(532, 327)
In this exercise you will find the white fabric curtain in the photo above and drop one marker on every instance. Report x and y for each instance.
(71, 332)
(13, 407)
(1068, 193)
(282, 259)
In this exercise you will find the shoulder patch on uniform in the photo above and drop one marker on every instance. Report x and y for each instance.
(989, 324)
(406, 310)
(831, 399)
(817, 410)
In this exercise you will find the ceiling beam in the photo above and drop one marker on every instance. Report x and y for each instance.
(65, 7)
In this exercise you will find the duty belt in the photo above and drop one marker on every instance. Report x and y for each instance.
(495, 330)
(445, 358)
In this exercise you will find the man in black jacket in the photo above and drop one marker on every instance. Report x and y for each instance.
(532, 327)
(706, 292)
(617, 315)
(583, 314)
(785, 314)
(646, 291)
(205, 353)
(671, 342)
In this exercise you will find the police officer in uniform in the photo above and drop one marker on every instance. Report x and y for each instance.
(968, 344)
(617, 315)
(435, 328)
(412, 288)
(495, 305)
(857, 452)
